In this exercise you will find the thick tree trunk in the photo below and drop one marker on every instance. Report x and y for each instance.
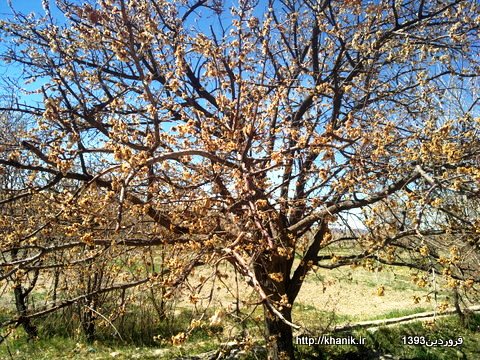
(278, 335)
(272, 273)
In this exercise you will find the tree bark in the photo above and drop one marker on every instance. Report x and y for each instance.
(21, 294)
(278, 335)
(21, 305)
(88, 324)
(88, 318)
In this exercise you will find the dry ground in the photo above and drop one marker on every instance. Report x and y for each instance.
(351, 294)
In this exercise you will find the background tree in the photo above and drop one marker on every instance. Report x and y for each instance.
(15, 218)
(47, 226)
(239, 130)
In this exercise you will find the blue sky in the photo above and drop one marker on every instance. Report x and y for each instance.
(24, 6)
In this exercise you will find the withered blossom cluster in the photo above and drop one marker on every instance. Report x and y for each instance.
(250, 134)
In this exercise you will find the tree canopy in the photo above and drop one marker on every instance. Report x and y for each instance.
(247, 134)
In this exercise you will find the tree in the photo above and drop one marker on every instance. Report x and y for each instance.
(239, 131)
(14, 217)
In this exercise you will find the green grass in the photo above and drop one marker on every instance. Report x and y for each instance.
(391, 277)
(144, 336)
(315, 319)
(384, 340)
(140, 339)
(58, 347)
(400, 313)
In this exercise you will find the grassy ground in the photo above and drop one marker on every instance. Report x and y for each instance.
(383, 341)
(61, 343)
(328, 298)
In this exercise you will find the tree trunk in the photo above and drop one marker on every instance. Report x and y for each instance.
(21, 305)
(458, 309)
(88, 319)
(89, 326)
(21, 294)
(278, 335)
